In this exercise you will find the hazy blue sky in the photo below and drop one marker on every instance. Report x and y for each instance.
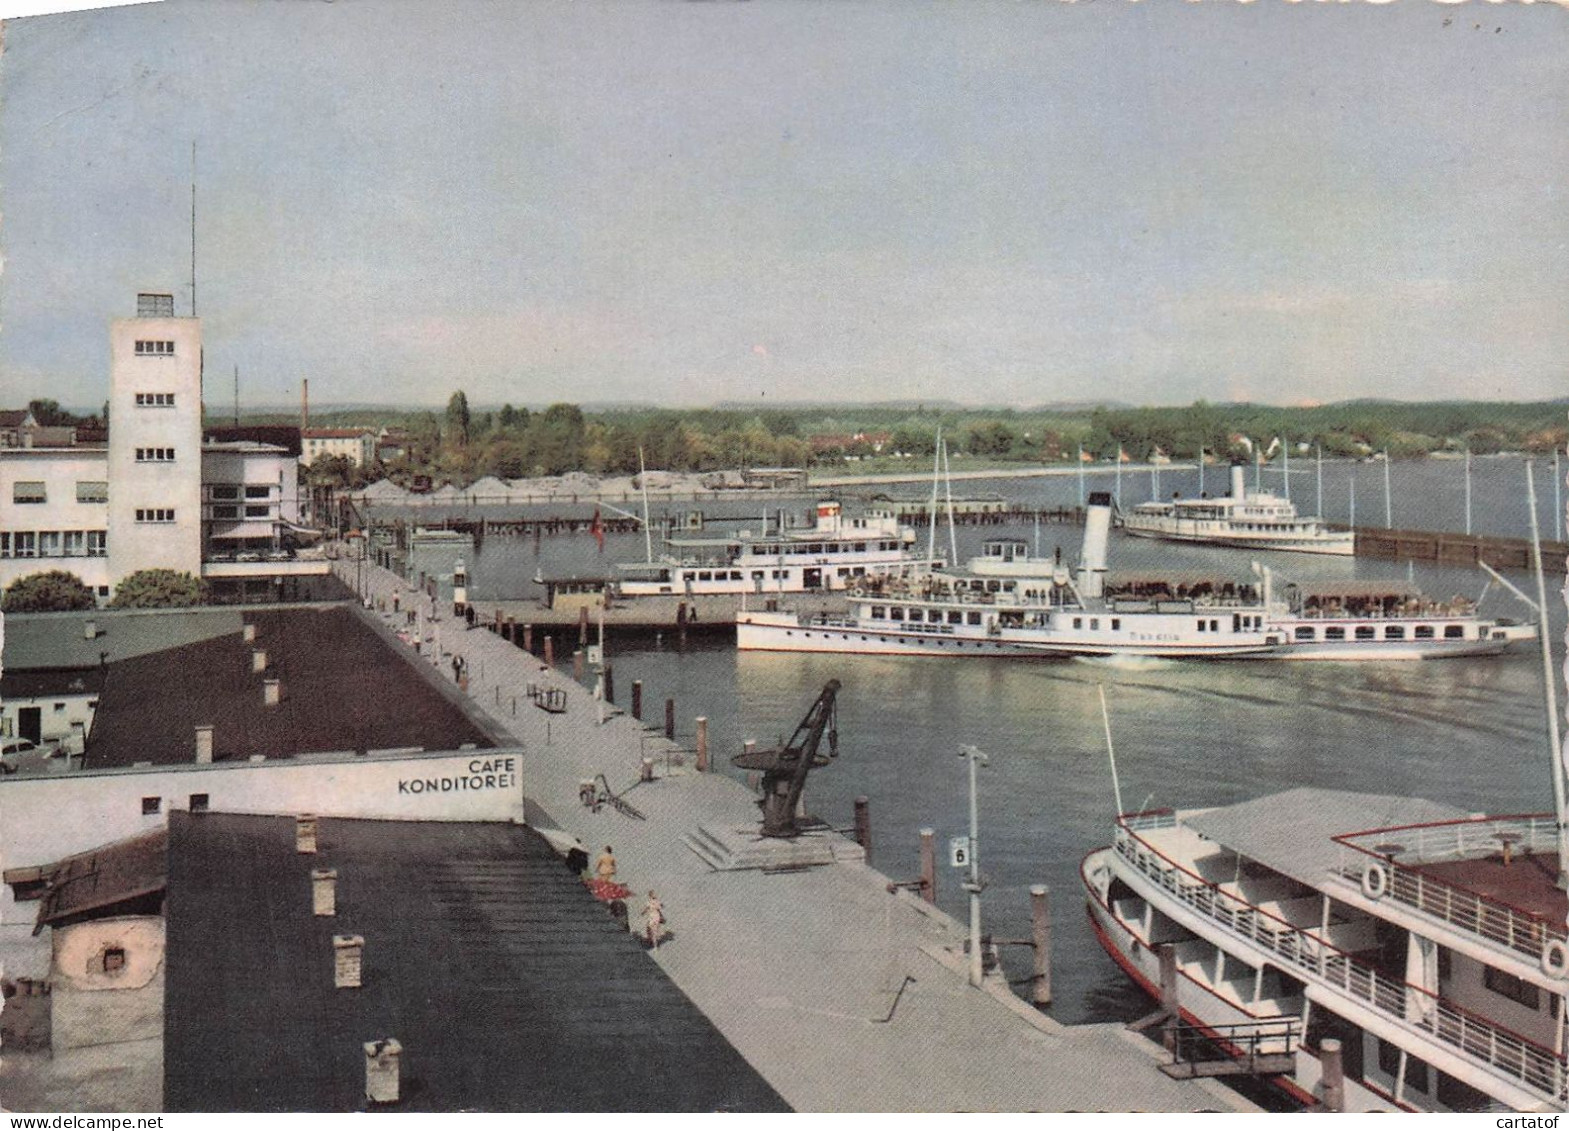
(1006, 203)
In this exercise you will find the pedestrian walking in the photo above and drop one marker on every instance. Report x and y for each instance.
(654, 920)
(605, 866)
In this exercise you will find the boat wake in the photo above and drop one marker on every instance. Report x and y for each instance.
(1129, 663)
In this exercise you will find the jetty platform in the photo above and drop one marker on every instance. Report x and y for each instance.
(843, 996)
(706, 613)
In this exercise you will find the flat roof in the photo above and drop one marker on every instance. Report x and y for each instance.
(509, 987)
(343, 687)
(59, 640)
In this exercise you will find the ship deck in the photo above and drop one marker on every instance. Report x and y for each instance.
(1526, 882)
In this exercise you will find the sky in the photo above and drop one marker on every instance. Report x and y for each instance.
(991, 203)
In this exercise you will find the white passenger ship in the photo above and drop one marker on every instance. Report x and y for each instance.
(1258, 521)
(1430, 943)
(836, 553)
(1011, 604)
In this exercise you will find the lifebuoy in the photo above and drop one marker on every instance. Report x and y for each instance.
(1375, 880)
(1555, 959)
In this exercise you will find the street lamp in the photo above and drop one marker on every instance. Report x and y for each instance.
(974, 886)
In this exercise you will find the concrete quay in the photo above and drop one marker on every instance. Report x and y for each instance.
(704, 614)
(842, 996)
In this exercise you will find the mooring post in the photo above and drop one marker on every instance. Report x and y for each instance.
(550, 651)
(610, 683)
(929, 865)
(863, 826)
(670, 719)
(637, 699)
(1040, 938)
(577, 665)
(504, 627)
(1167, 954)
(702, 744)
(528, 638)
(582, 625)
(1333, 1072)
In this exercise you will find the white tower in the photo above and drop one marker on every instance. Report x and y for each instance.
(155, 440)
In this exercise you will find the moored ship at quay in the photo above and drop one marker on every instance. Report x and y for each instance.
(1257, 521)
(1008, 603)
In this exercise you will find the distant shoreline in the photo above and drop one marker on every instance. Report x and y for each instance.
(995, 473)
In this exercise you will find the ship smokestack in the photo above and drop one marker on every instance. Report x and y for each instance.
(1239, 483)
(1092, 558)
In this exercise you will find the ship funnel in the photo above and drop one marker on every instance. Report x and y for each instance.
(1092, 557)
(1239, 483)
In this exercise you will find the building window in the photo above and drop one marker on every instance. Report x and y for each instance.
(154, 455)
(263, 492)
(103, 591)
(154, 400)
(114, 959)
(155, 514)
(28, 491)
(258, 512)
(225, 492)
(199, 802)
(154, 349)
(91, 491)
(75, 543)
(49, 544)
(1515, 989)
(97, 547)
(151, 805)
(226, 512)
(24, 544)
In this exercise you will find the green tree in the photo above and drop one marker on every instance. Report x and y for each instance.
(458, 419)
(53, 591)
(159, 589)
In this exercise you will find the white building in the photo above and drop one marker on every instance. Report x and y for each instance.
(223, 511)
(357, 445)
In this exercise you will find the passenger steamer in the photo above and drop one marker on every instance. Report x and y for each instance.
(834, 554)
(1007, 603)
(1430, 943)
(1258, 521)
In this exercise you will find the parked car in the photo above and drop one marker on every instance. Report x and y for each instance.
(11, 754)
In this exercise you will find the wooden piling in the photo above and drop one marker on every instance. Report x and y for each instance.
(863, 826)
(577, 665)
(929, 865)
(702, 744)
(610, 682)
(582, 625)
(670, 719)
(1333, 1073)
(1040, 938)
(637, 699)
(550, 651)
(1167, 953)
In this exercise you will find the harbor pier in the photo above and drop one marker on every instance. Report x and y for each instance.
(844, 996)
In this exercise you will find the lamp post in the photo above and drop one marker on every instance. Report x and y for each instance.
(974, 886)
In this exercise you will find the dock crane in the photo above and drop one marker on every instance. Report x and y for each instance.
(785, 769)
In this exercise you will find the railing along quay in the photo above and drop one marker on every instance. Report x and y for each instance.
(1412, 1007)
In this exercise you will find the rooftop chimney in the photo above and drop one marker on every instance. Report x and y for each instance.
(381, 1071)
(272, 692)
(258, 659)
(249, 632)
(204, 745)
(347, 953)
(324, 891)
(305, 833)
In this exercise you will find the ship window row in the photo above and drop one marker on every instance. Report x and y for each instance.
(154, 455)
(1240, 623)
(54, 543)
(154, 400)
(933, 616)
(702, 575)
(1209, 626)
(1391, 632)
(1116, 623)
(773, 551)
(146, 348)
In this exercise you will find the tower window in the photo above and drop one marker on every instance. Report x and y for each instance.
(154, 455)
(155, 514)
(154, 400)
(146, 348)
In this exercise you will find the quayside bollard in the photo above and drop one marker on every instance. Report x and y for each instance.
(702, 744)
(1333, 1072)
(929, 865)
(528, 638)
(670, 719)
(582, 625)
(863, 826)
(637, 699)
(550, 651)
(1040, 939)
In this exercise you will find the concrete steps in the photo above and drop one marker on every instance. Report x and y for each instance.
(727, 849)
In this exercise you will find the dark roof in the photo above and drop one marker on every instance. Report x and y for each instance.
(509, 987)
(344, 687)
(13, 417)
(282, 436)
(59, 640)
(40, 683)
(125, 877)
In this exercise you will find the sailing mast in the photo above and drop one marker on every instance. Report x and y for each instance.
(1559, 768)
(931, 534)
(953, 535)
(648, 537)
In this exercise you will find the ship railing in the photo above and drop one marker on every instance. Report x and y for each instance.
(1303, 949)
(1399, 851)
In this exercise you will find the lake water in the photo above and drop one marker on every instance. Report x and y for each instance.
(1470, 732)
